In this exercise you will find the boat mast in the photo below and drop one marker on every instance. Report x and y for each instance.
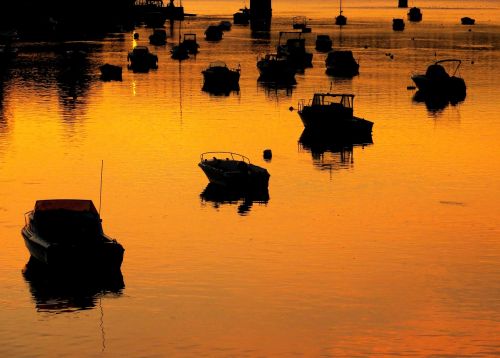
(340, 7)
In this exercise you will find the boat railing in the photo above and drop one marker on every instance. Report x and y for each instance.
(301, 104)
(223, 156)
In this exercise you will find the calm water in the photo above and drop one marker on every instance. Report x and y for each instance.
(392, 248)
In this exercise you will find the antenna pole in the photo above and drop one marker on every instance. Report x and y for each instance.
(100, 188)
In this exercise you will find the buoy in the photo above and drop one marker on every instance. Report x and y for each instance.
(268, 154)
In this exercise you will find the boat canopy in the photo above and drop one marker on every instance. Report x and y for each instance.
(217, 64)
(76, 205)
(326, 99)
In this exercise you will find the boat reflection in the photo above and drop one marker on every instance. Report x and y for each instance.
(436, 103)
(69, 292)
(218, 195)
(332, 152)
(276, 91)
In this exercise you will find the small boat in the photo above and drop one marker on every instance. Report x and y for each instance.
(334, 112)
(403, 3)
(294, 49)
(179, 52)
(300, 23)
(323, 43)
(242, 17)
(225, 25)
(467, 21)
(213, 33)
(232, 170)
(110, 72)
(189, 42)
(141, 60)
(414, 14)
(436, 79)
(340, 20)
(341, 63)
(217, 76)
(67, 233)
(398, 24)
(275, 68)
(158, 37)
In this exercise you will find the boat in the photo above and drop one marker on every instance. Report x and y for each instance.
(323, 43)
(110, 72)
(403, 3)
(300, 23)
(158, 37)
(437, 81)
(225, 25)
(67, 233)
(333, 112)
(218, 77)
(341, 63)
(190, 44)
(213, 33)
(340, 20)
(180, 51)
(294, 49)
(398, 24)
(414, 14)
(242, 17)
(467, 21)
(230, 169)
(277, 69)
(141, 60)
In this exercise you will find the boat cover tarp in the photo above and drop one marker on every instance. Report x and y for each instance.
(77, 205)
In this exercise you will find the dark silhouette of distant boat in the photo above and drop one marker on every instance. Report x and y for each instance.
(110, 72)
(242, 17)
(340, 20)
(141, 60)
(398, 24)
(300, 23)
(467, 21)
(213, 33)
(217, 77)
(67, 233)
(189, 42)
(234, 170)
(323, 43)
(341, 63)
(294, 49)
(225, 25)
(414, 14)
(275, 68)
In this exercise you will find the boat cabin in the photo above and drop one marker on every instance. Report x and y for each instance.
(341, 104)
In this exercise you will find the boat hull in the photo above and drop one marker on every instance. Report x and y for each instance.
(451, 86)
(317, 120)
(105, 254)
(236, 178)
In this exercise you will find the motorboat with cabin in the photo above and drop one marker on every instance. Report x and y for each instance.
(277, 69)
(333, 112)
(242, 17)
(218, 76)
(141, 60)
(300, 23)
(341, 63)
(67, 233)
(230, 169)
(111, 72)
(437, 81)
(292, 45)
(189, 42)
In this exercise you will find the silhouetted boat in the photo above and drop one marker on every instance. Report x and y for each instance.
(294, 49)
(179, 52)
(467, 21)
(242, 17)
(340, 20)
(323, 43)
(213, 33)
(437, 81)
(414, 14)
(217, 76)
(67, 233)
(274, 68)
(403, 3)
(398, 24)
(341, 63)
(110, 72)
(333, 112)
(233, 170)
(225, 25)
(158, 37)
(141, 60)
(300, 23)
(190, 44)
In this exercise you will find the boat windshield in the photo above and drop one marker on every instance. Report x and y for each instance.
(327, 99)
